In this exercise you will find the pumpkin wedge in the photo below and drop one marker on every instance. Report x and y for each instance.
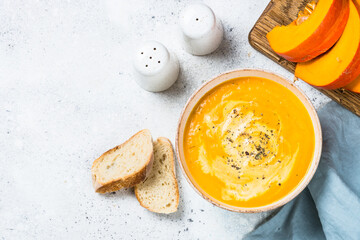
(341, 64)
(313, 33)
(354, 86)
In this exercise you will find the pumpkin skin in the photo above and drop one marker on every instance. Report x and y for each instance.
(314, 36)
(341, 64)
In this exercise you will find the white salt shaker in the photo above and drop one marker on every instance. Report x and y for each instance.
(156, 68)
(202, 31)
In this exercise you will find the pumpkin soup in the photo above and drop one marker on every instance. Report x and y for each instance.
(249, 142)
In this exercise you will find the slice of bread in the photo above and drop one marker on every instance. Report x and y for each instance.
(159, 192)
(125, 165)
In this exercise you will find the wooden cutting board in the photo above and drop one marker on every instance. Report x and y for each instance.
(283, 12)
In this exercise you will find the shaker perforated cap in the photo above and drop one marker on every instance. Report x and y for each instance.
(155, 67)
(197, 20)
(202, 31)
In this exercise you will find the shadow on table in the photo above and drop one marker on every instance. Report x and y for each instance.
(225, 53)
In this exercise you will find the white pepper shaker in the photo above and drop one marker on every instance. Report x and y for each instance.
(156, 68)
(202, 31)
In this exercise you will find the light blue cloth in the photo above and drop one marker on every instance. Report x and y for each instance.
(330, 207)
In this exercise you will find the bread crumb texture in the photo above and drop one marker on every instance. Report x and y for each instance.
(125, 165)
(159, 192)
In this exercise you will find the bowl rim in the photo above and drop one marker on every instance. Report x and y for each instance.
(313, 164)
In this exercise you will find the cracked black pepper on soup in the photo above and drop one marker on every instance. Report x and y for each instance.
(249, 142)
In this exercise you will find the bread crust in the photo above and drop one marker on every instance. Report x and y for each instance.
(128, 181)
(166, 141)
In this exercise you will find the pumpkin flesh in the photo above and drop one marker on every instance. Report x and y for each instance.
(354, 86)
(315, 35)
(340, 65)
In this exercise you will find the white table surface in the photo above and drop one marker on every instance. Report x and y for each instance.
(67, 94)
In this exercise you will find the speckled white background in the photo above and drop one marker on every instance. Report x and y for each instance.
(67, 94)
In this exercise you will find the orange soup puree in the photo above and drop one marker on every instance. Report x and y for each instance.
(249, 142)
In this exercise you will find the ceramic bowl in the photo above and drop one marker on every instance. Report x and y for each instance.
(208, 86)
